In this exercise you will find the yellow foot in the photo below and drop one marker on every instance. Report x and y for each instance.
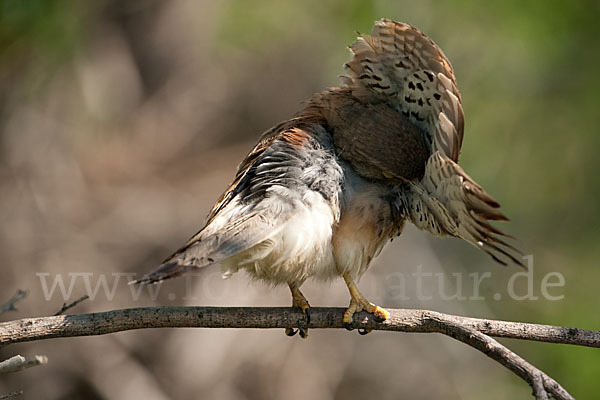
(358, 303)
(363, 304)
(298, 300)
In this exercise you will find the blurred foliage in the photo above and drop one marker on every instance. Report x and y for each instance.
(37, 35)
(223, 71)
(53, 26)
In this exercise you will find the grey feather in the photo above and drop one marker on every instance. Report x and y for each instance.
(261, 200)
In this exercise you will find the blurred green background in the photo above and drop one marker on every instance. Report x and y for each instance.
(121, 123)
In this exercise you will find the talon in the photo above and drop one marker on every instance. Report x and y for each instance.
(303, 333)
(359, 303)
(364, 331)
(380, 314)
(290, 331)
(298, 300)
(348, 326)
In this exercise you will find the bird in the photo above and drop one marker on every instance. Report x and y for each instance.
(322, 192)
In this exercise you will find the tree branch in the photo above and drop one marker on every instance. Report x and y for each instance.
(473, 331)
(10, 305)
(541, 383)
(11, 394)
(401, 320)
(19, 363)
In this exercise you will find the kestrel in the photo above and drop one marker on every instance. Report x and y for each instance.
(323, 192)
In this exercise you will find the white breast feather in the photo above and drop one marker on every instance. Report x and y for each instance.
(300, 249)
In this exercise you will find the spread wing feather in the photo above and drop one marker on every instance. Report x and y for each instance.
(449, 202)
(399, 64)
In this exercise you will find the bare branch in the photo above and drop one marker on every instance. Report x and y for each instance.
(11, 394)
(523, 330)
(10, 305)
(542, 384)
(18, 363)
(473, 331)
(66, 306)
(401, 320)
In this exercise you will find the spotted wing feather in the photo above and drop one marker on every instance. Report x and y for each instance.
(449, 202)
(400, 64)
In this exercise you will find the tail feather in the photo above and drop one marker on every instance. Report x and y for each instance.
(448, 202)
(232, 231)
(167, 270)
(203, 250)
(194, 255)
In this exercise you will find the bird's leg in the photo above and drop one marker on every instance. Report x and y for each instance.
(358, 303)
(298, 300)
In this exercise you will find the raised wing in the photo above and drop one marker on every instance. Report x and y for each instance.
(374, 138)
(399, 64)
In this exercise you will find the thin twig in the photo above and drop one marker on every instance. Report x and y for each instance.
(19, 363)
(11, 394)
(473, 331)
(66, 306)
(11, 304)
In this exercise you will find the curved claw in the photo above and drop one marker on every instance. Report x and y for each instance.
(348, 326)
(359, 303)
(290, 332)
(364, 331)
(304, 330)
(298, 300)
(303, 333)
(379, 314)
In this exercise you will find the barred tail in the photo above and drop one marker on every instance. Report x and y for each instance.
(448, 202)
